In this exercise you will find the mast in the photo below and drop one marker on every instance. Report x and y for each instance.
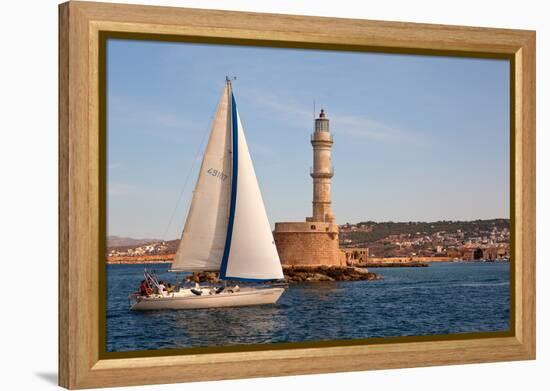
(234, 152)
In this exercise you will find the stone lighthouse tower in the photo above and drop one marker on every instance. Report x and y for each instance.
(322, 170)
(314, 242)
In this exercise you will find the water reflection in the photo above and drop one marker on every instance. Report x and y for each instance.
(204, 327)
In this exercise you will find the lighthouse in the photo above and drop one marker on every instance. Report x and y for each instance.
(314, 242)
(322, 170)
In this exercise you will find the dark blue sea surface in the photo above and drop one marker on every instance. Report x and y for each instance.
(444, 298)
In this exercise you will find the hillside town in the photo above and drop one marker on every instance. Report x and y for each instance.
(148, 249)
(474, 240)
(442, 240)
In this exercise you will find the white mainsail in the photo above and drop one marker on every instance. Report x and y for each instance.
(227, 228)
(203, 238)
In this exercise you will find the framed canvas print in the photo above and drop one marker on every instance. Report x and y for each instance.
(246, 195)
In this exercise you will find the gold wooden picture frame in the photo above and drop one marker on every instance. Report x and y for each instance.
(83, 30)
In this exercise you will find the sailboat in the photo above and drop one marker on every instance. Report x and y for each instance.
(226, 230)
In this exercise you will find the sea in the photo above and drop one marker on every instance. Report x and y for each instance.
(444, 298)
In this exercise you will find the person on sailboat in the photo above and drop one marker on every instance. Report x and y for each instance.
(162, 289)
(144, 289)
(169, 288)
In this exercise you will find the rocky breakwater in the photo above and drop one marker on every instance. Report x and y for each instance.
(296, 274)
(395, 264)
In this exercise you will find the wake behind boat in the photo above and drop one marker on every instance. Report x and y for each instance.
(226, 229)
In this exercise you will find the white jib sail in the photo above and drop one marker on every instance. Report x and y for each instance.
(203, 238)
(252, 253)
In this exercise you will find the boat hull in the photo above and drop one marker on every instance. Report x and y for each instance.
(224, 299)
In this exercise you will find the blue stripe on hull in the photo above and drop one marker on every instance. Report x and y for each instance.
(243, 279)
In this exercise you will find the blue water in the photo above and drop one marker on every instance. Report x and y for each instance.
(444, 298)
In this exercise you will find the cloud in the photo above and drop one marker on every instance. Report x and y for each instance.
(170, 120)
(377, 131)
(119, 189)
(142, 190)
(348, 124)
(151, 119)
(285, 106)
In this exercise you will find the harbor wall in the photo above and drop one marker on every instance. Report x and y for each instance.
(159, 258)
(408, 259)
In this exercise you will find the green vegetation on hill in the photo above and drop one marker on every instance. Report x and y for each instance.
(377, 231)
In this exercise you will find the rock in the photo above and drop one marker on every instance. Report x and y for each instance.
(327, 273)
(319, 277)
(304, 274)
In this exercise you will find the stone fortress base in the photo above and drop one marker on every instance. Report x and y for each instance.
(308, 244)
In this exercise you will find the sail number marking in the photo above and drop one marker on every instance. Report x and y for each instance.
(217, 173)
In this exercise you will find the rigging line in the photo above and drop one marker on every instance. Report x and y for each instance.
(189, 174)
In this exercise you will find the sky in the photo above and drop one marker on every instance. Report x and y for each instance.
(416, 138)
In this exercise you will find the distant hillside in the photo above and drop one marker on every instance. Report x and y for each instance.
(169, 246)
(438, 238)
(118, 241)
(383, 239)
(374, 231)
